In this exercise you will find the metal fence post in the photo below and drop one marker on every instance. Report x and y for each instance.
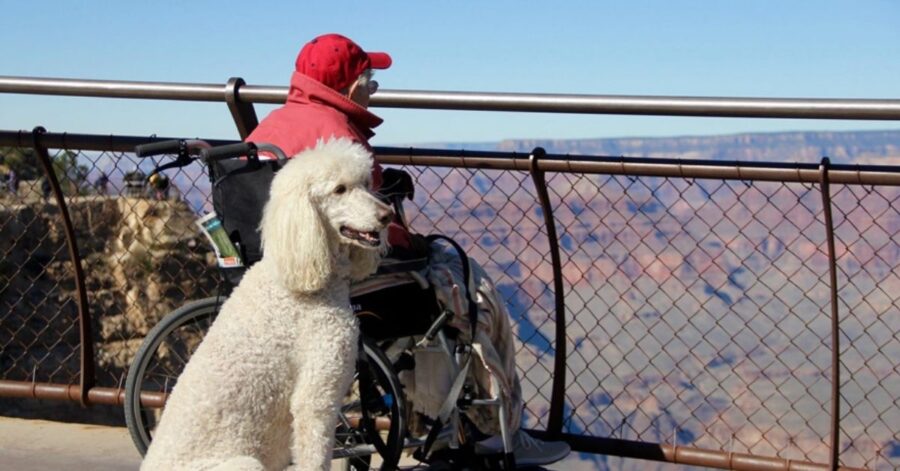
(558, 397)
(241, 111)
(84, 317)
(834, 458)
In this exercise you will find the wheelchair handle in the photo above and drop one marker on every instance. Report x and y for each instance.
(229, 151)
(182, 147)
(274, 150)
(241, 149)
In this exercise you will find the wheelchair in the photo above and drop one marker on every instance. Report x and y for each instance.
(373, 418)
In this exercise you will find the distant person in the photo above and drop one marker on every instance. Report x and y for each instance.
(12, 182)
(329, 97)
(160, 185)
(135, 182)
(45, 188)
(80, 179)
(101, 184)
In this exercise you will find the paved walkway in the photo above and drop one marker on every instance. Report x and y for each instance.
(38, 445)
(31, 445)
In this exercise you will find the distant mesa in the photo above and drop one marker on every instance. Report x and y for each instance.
(848, 147)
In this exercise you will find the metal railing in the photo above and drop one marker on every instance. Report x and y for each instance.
(478, 101)
(674, 281)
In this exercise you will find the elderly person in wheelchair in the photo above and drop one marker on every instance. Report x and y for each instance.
(328, 97)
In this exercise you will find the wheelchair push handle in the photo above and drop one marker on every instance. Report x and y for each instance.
(157, 148)
(229, 151)
(274, 150)
(242, 149)
(182, 147)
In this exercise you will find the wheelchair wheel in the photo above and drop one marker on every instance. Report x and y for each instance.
(372, 415)
(370, 420)
(159, 361)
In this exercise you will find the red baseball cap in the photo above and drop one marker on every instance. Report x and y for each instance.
(337, 61)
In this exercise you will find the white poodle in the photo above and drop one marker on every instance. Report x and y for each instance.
(263, 389)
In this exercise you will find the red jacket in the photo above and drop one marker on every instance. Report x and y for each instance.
(314, 111)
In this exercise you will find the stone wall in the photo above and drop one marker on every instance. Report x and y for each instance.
(142, 258)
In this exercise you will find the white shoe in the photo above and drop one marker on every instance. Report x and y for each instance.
(529, 451)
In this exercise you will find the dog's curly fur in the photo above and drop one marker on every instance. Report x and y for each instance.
(263, 389)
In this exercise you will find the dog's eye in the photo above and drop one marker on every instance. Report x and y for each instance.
(340, 189)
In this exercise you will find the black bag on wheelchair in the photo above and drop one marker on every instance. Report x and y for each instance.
(400, 309)
(240, 191)
(405, 304)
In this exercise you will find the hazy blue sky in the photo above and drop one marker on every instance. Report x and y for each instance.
(823, 49)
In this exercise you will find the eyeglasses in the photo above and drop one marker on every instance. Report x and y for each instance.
(372, 86)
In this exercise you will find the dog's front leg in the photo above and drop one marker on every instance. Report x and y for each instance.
(315, 403)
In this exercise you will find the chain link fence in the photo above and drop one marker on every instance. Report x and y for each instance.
(697, 311)
(141, 253)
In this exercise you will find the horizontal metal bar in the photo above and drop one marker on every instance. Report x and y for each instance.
(95, 142)
(684, 455)
(648, 167)
(805, 108)
(605, 165)
(113, 88)
(61, 392)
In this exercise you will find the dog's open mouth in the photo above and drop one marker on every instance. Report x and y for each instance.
(370, 238)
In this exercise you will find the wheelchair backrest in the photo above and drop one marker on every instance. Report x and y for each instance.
(239, 196)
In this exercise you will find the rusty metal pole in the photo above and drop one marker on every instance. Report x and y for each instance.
(558, 397)
(84, 317)
(834, 458)
(241, 111)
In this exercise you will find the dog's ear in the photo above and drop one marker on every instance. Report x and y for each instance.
(295, 238)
